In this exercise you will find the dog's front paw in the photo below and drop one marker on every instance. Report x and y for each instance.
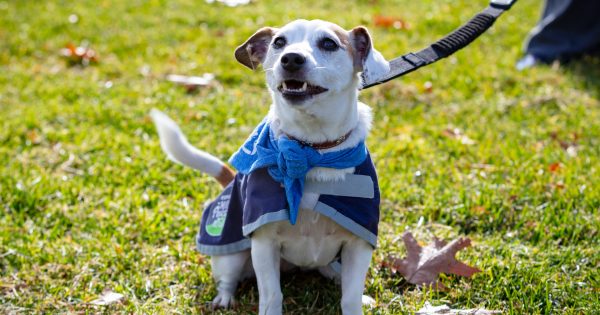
(223, 300)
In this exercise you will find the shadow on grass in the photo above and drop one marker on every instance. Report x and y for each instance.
(304, 292)
(586, 70)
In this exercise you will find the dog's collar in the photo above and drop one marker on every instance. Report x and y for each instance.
(322, 145)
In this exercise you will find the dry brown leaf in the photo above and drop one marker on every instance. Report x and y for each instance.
(390, 22)
(118, 249)
(568, 143)
(191, 83)
(108, 297)
(82, 56)
(423, 264)
(457, 134)
(33, 137)
(428, 87)
(554, 167)
(479, 210)
(428, 309)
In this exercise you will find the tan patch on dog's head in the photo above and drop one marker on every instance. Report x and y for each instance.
(344, 39)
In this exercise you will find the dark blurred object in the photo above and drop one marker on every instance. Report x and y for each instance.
(82, 56)
(567, 30)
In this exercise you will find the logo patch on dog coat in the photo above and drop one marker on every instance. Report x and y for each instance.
(216, 219)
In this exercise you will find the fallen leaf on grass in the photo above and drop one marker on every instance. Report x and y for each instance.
(230, 3)
(457, 134)
(118, 249)
(82, 56)
(108, 297)
(423, 264)
(479, 210)
(429, 309)
(558, 185)
(390, 22)
(33, 137)
(428, 87)
(191, 83)
(554, 167)
(569, 143)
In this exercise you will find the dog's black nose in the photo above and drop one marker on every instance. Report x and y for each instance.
(292, 61)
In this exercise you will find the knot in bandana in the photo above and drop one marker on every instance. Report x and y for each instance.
(288, 161)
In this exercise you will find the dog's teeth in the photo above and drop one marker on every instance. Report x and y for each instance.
(301, 89)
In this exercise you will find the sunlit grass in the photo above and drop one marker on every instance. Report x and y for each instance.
(89, 201)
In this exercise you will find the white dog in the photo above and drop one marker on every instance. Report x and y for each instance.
(313, 71)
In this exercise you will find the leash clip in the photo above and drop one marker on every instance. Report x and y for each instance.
(502, 4)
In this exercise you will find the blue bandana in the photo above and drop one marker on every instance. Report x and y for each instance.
(288, 161)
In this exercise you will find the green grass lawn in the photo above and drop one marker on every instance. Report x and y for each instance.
(89, 201)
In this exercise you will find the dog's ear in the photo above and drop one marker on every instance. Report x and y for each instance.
(366, 58)
(254, 50)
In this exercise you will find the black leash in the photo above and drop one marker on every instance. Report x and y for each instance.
(446, 46)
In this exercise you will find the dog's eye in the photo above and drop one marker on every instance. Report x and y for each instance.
(279, 42)
(328, 44)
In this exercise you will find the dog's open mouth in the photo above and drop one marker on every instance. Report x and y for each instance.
(295, 90)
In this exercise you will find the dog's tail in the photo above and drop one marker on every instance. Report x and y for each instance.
(179, 150)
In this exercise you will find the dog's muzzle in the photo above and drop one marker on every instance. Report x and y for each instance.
(294, 88)
(296, 91)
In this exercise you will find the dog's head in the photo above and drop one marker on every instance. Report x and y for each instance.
(306, 61)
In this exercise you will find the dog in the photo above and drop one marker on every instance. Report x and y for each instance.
(313, 73)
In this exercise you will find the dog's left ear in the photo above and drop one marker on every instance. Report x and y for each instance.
(367, 59)
(254, 50)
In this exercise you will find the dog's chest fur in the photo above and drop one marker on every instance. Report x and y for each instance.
(314, 241)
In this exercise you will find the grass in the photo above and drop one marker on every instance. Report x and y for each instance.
(89, 201)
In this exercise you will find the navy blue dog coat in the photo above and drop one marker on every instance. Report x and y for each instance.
(253, 200)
